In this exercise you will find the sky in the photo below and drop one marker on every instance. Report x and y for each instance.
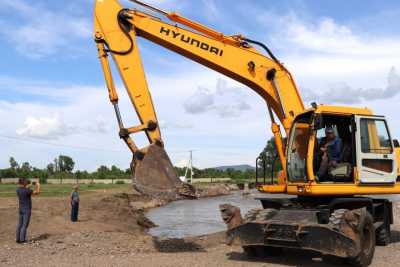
(53, 98)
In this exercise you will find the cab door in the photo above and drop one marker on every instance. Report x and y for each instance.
(376, 160)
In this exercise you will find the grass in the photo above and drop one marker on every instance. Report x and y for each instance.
(55, 190)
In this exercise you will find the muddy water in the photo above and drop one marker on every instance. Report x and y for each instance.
(196, 217)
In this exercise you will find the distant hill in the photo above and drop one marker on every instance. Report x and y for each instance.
(243, 167)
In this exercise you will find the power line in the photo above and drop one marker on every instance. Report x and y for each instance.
(19, 139)
(73, 146)
(57, 145)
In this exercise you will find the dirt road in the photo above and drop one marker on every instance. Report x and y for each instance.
(108, 235)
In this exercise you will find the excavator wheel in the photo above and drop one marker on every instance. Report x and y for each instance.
(261, 251)
(383, 235)
(337, 218)
(250, 251)
(366, 232)
(260, 215)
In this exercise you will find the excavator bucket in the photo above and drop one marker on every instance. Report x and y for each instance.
(154, 175)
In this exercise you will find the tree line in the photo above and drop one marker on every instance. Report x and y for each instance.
(62, 167)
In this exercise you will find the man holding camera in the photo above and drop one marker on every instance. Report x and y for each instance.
(24, 194)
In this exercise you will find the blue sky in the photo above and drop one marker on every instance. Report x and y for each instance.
(52, 89)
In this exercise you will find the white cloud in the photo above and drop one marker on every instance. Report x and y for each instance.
(201, 101)
(211, 10)
(53, 128)
(37, 32)
(225, 101)
(42, 90)
(332, 62)
(45, 128)
(182, 163)
(321, 50)
(100, 126)
(326, 36)
(175, 125)
(343, 93)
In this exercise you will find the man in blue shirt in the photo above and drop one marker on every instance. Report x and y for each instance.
(332, 152)
(24, 194)
(74, 204)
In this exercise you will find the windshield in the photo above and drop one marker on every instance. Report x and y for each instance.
(297, 152)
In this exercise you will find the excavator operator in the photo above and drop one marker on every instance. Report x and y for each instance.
(331, 148)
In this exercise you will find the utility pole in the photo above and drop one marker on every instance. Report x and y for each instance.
(191, 166)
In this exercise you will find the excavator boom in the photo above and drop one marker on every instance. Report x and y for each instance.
(116, 30)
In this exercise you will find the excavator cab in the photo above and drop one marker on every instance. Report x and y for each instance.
(365, 152)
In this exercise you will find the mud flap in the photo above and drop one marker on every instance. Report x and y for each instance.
(154, 175)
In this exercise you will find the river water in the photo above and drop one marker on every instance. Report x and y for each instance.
(196, 217)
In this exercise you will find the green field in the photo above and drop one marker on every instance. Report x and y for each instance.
(53, 190)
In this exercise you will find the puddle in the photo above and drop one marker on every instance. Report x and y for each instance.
(196, 217)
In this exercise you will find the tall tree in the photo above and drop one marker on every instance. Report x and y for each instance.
(269, 158)
(26, 166)
(103, 172)
(14, 164)
(50, 168)
(65, 163)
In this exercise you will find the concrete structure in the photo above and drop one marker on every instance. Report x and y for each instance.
(211, 180)
(70, 181)
(107, 181)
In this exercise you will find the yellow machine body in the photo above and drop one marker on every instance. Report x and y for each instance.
(116, 30)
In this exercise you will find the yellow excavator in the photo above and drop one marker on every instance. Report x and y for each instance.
(332, 157)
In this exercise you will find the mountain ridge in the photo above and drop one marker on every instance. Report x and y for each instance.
(239, 167)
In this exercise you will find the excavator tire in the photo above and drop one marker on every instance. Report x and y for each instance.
(366, 231)
(260, 215)
(250, 251)
(261, 251)
(337, 217)
(257, 215)
(383, 236)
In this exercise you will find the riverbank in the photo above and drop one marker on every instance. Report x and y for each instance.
(108, 234)
(111, 223)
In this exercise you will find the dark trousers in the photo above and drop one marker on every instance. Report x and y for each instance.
(23, 223)
(74, 212)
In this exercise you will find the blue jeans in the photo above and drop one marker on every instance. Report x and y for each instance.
(23, 223)
(74, 211)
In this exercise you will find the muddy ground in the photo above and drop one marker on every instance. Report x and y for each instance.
(108, 234)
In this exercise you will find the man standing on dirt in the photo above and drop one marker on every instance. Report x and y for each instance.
(24, 194)
(74, 204)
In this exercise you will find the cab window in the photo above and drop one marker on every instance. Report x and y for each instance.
(375, 137)
(297, 152)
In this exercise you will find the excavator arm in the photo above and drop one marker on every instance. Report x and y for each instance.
(116, 30)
